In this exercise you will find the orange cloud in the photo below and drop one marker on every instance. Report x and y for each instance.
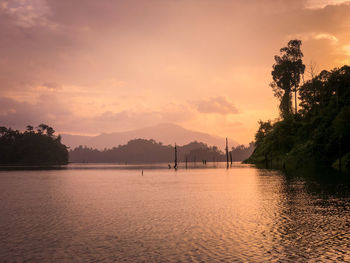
(219, 105)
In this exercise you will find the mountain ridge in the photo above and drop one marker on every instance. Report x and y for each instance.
(167, 133)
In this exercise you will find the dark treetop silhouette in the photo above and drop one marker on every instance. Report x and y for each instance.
(286, 74)
(39, 147)
(148, 151)
(145, 151)
(318, 134)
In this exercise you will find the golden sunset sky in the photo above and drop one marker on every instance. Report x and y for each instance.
(87, 66)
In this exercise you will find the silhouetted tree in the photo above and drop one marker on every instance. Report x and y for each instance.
(3, 130)
(286, 74)
(50, 131)
(312, 69)
(31, 147)
(320, 134)
(146, 151)
(315, 94)
(264, 129)
(241, 152)
(30, 128)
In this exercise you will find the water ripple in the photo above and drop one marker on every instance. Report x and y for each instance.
(202, 215)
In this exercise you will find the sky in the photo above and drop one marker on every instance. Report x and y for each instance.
(87, 67)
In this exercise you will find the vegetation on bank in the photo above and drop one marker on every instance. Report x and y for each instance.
(318, 133)
(40, 146)
(37, 146)
(144, 151)
(150, 151)
(241, 152)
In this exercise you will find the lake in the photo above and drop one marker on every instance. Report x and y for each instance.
(111, 213)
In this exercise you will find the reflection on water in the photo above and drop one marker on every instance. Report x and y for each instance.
(106, 214)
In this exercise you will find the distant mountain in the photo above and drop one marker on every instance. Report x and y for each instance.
(166, 133)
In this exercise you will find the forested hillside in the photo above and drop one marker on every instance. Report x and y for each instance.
(317, 133)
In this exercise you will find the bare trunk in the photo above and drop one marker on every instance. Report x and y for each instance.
(226, 152)
(175, 165)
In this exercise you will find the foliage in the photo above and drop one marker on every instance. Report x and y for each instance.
(242, 152)
(286, 74)
(146, 151)
(38, 146)
(264, 129)
(319, 135)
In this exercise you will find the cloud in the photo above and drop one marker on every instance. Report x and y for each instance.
(51, 110)
(326, 36)
(317, 4)
(219, 105)
(131, 119)
(315, 36)
(27, 13)
(18, 114)
(52, 86)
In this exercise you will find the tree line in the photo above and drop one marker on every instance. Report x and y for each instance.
(318, 132)
(150, 151)
(39, 146)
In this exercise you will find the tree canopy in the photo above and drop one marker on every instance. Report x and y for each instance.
(286, 74)
(147, 151)
(34, 146)
(319, 132)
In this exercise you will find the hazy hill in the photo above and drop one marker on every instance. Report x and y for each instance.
(166, 133)
(146, 151)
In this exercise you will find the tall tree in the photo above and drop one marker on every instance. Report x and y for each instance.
(286, 73)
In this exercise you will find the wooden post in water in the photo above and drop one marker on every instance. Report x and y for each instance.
(175, 165)
(226, 153)
(231, 157)
(186, 161)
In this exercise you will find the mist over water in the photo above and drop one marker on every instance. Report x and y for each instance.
(110, 213)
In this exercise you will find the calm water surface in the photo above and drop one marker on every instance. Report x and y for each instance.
(108, 213)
